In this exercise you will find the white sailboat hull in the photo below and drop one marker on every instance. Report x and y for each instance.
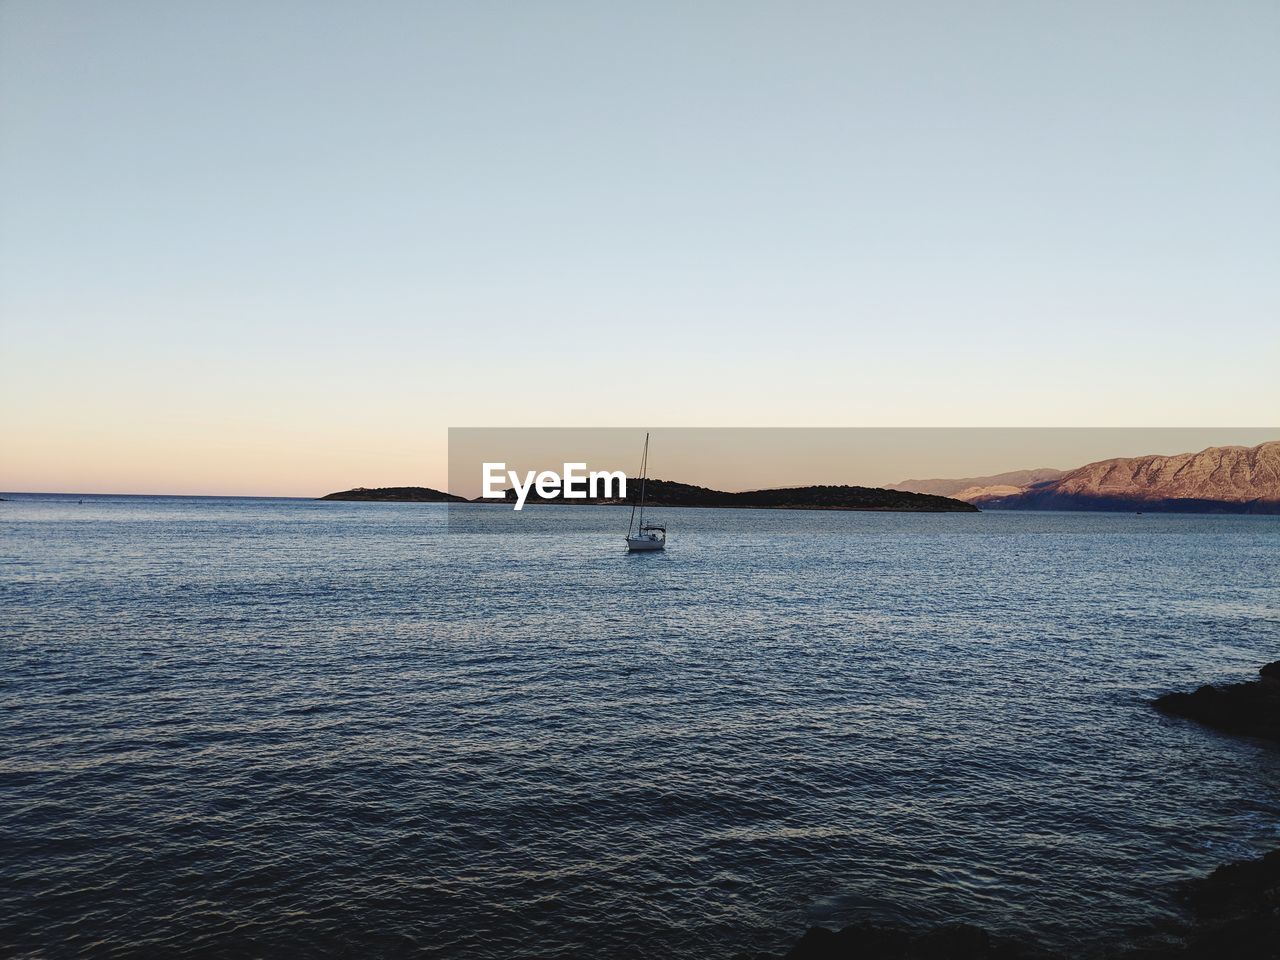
(645, 543)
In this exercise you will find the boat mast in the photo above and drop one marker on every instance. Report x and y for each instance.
(644, 465)
(644, 476)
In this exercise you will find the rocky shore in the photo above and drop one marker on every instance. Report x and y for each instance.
(954, 941)
(1249, 709)
(1233, 913)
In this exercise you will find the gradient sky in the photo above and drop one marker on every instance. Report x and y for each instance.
(279, 247)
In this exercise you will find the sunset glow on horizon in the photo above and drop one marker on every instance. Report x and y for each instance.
(282, 249)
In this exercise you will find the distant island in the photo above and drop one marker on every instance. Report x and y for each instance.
(668, 493)
(395, 495)
(1215, 480)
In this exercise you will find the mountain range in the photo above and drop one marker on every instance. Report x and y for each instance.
(1215, 480)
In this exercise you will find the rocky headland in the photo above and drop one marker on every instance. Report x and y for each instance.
(1250, 709)
(1229, 479)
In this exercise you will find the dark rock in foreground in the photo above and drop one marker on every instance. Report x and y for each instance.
(1237, 910)
(1248, 709)
(957, 941)
(1235, 914)
(395, 495)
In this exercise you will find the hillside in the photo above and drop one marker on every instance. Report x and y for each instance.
(1215, 480)
(969, 488)
(668, 493)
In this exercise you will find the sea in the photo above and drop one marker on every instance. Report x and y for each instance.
(275, 728)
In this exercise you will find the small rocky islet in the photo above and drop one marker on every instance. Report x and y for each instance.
(1233, 913)
(394, 495)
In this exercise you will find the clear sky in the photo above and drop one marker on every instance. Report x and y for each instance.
(273, 247)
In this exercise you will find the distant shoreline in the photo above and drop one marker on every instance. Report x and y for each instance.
(1198, 509)
(669, 493)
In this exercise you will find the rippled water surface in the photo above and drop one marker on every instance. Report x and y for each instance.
(289, 727)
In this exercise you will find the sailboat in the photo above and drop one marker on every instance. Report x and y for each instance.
(645, 536)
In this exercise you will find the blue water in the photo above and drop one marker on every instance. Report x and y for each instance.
(288, 727)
